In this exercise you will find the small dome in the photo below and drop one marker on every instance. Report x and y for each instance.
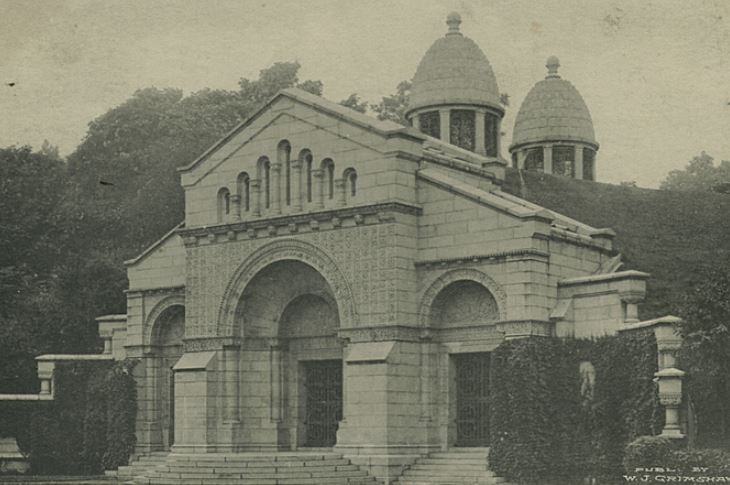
(553, 110)
(454, 71)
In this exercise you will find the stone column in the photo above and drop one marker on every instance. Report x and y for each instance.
(416, 122)
(547, 155)
(479, 142)
(256, 192)
(340, 188)
(499, 136)
(275, 356)
(236, 202)
(445, 125)
(632, 309)
(318, 182)
(228, 436)
(276, 181)
(579, 162)
(296, 185)
(521, 154)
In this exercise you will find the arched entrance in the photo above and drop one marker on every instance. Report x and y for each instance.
(167, 341)
(464, 303)
(291, 307)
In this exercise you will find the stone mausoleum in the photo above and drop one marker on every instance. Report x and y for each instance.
(339, 282)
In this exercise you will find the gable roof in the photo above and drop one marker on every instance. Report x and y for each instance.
(672, 235)
(384, 128)
(171, 233)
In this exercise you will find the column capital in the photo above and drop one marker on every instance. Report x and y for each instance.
(317, 173)
(255, 183)
(276, 167)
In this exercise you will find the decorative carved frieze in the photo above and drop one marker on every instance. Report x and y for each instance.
(312, 221)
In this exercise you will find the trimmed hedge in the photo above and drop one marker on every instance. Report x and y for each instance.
(545, 429)
(89, 425)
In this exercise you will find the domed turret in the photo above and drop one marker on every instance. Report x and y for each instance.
(553, 129)
(455, 96)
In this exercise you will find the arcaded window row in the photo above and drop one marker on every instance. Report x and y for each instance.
(288, 185)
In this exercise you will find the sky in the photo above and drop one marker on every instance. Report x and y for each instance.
(654, 74)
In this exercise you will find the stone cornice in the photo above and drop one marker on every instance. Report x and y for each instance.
(499, 256)
(179, 289)
(303, 222)
(604, 278)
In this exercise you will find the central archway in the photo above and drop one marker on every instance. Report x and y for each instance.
(290, 307)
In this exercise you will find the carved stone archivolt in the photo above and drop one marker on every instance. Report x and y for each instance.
(286, 249)
(465, 274)
(154, 314)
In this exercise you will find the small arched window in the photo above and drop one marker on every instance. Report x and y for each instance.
(328, 166)
(563, 160)
(305, 157)
(283, 156)
(430, 123)
(224, 204)
(534, 159)
(244, 192)
(589, 164)
(350, 176)
(462, 129)
(264, 174)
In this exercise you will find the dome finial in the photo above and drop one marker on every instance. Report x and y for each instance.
(453, 21)
(552, 64)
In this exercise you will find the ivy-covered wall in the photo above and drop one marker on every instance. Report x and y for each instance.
(86, 428)
(563, 409)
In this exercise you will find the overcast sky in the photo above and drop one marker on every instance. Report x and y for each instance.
(655, 74)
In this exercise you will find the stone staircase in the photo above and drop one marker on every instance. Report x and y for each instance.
(458, 466)
(282, 468)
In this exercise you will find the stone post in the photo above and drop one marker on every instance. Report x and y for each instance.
(107, 345)
(318, 176)
(236, 202)
(521, 154)
(632, 309)
(340, 190)
(256, 191)
(579, 162)
(275, 355)
(479, 143)
(296, 185)
(445, 124)
(547, 155)
(276, 180)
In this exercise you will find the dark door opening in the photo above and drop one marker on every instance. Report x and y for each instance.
(323, 412)
(472, 399)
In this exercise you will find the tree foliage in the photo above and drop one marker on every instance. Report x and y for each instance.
(353, 101)
(706, 355)
(393, 107)
(700, 174)
(66, 227)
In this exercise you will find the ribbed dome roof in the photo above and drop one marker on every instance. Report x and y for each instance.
(454, 71)
(553, 110)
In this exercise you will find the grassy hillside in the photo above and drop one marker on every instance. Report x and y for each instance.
(670, 234)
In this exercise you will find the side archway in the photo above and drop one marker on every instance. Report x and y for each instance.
(467, 281)
(153, 317)
(289, 249)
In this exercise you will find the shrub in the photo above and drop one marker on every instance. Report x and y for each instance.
(648, 451)
(89, 426)
(543, 429)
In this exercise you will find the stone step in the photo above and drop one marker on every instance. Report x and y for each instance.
(460, 456)
(443, 461)
(451, 467)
